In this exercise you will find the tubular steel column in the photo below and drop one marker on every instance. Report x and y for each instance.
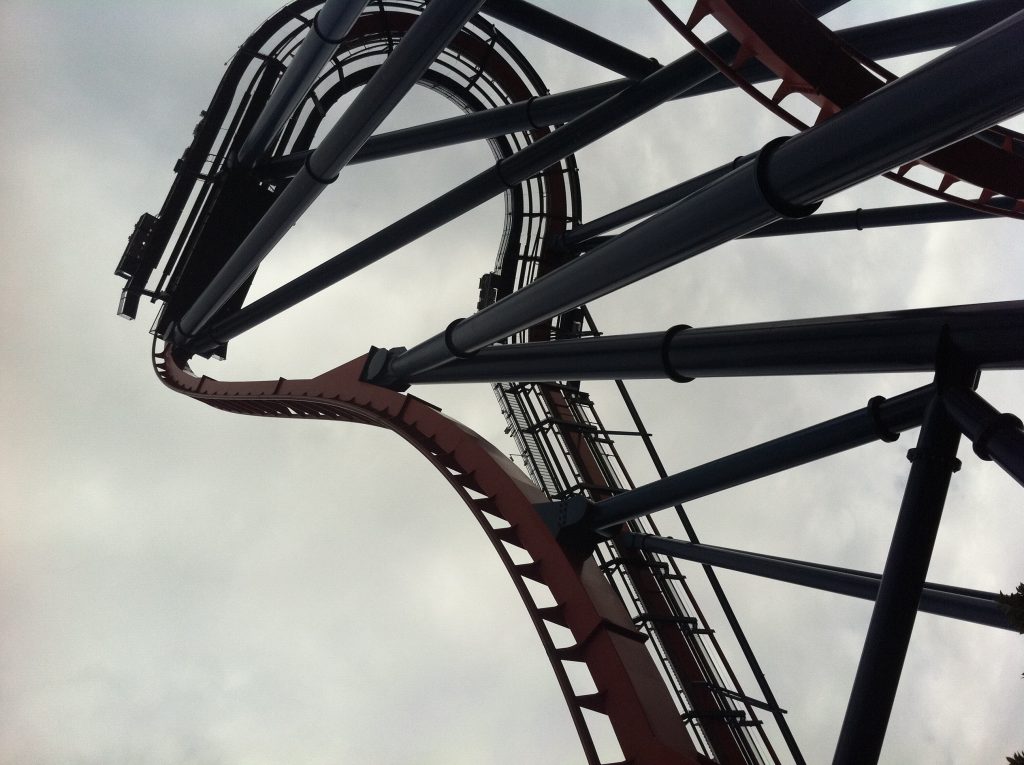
(639, 98)
(329, 27)
(880, 420)
(996, 435)
(892, 341)
(951, 97)
(953, 602)
(933, 463)
(440, 21)
(571, 37)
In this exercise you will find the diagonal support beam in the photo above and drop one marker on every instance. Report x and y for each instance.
(440, 21)
(996, 436)
(879, 40)
(330, 25)
(990, 334)
(953, 602)
(852, 220)
(933, 463)
(882, 419)
(571, 37)
(951, 97)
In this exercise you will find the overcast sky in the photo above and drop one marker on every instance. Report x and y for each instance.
(179, 585)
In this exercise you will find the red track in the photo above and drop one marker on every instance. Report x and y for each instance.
(629, 689)
(812, 61)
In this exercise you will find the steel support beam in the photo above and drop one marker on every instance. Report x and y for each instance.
(882, 419)
(996, 436)
(649, 205)
(586, 237)
(540, 111)
(933, 463)
(881, 217)
(571, 37)
(329, 27)
(440, 21)
(952, 602)
(951, 97)
(607, 116)
(883, 39)
(991, 335)
(901, 36)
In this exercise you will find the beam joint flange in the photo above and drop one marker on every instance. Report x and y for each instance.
(449, 342)
(775, 200)
(666, 347)
(881, 430)
(322, 180)
(326, 36)
(567, 520)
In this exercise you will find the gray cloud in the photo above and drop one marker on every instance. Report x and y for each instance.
(184, 586)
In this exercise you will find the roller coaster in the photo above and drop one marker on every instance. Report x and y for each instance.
(304, 97)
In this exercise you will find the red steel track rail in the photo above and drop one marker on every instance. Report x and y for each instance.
(629, 689)
(814, 62)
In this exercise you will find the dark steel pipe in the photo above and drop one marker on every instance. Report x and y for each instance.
(571, 37)
(951, 602)
(901, 36)
(540, 111)
(891, 37)
(880, 217)
(440, 21)
(329, 27)
(881, 419)
(621, 108)
(853, 220)
(990, 335)
(899, 593)
(996, 436)
(649, 205)
(953, 96)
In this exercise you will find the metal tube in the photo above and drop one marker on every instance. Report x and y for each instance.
(949, 98)
(996, 436)
(892, 620)
(329, 27)
(637, 99)
(609, 115)
(881, 419)
(880, 217)
(440, 21)
(649, 205)
(891, 37)
(963, 91)
(501, 120)
(899, 341)
(902, 36)
(571, 37)
(859, 219)
(944, 601)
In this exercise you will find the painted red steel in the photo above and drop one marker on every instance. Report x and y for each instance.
(630, 690)
(814, 62)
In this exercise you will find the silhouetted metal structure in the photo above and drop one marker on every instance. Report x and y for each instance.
(662, 678)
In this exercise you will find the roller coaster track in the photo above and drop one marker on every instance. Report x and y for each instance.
(231, 189)
(502, 499)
